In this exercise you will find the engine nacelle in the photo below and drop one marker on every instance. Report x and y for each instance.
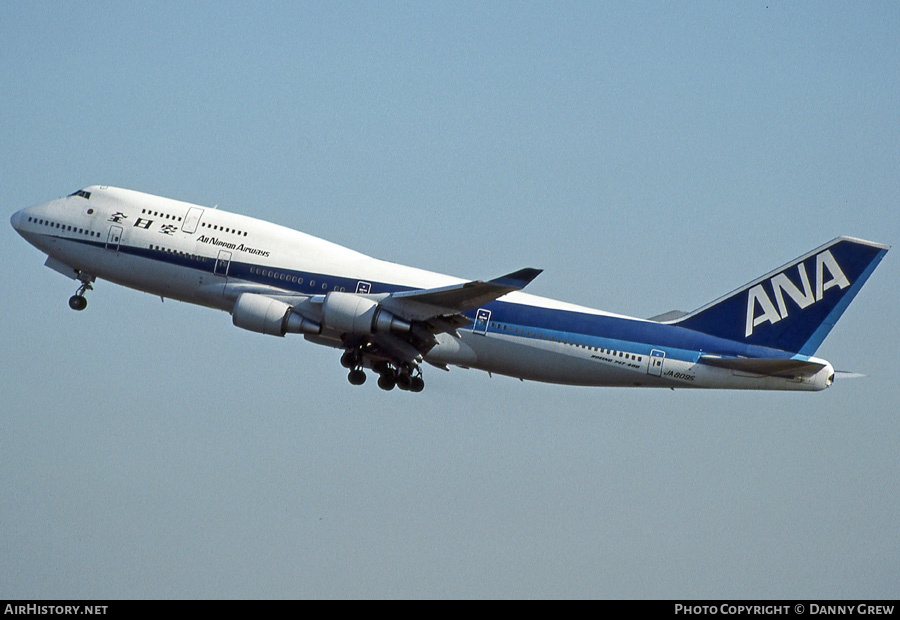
(265, 315)
(353, 314)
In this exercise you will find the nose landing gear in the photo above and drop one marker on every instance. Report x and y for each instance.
(78, 301)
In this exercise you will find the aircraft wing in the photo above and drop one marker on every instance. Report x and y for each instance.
(422, 305)
(429, 312)
(436, 310)
(764, 366)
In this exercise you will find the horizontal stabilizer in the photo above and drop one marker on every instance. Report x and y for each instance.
(672, 315)
(764, 366)
(846, 374)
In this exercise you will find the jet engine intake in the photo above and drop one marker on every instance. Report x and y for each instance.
(354, 314)
(258, 313)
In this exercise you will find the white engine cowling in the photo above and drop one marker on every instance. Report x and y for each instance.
(265, 315)
(354, 314)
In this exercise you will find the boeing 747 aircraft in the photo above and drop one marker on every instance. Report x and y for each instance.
(390, 318)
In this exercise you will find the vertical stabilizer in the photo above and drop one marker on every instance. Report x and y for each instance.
(794, 307)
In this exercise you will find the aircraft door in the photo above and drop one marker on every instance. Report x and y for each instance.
(114, 238)
(655, 363)
(222, 264)
(191, 220)
(482, 319)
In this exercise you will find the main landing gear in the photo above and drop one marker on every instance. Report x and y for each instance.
(352, 359)
(404, 376)
(78, 301)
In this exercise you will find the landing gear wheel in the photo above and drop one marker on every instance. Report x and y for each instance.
(404, 381)
(356, 377)
(348, 359)
(417, 384)
(386, 382)
(77, 302)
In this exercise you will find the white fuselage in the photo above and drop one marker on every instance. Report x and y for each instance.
(209, 257)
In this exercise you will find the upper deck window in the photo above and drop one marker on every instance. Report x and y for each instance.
(82, 193)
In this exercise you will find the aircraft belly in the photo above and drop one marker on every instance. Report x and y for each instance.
(452, 350)
(143, 274)
(553, 362)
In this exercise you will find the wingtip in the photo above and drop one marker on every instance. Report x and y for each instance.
(518, 279)
(529, 273)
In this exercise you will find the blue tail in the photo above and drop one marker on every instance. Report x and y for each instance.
(794, 307)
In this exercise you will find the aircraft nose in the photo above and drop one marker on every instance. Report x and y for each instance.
(16, 218)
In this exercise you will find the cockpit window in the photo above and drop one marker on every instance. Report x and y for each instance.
(82, 193)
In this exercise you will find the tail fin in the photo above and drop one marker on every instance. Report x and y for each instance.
(794, 307)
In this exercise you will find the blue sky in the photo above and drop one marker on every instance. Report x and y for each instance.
(647, 156)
